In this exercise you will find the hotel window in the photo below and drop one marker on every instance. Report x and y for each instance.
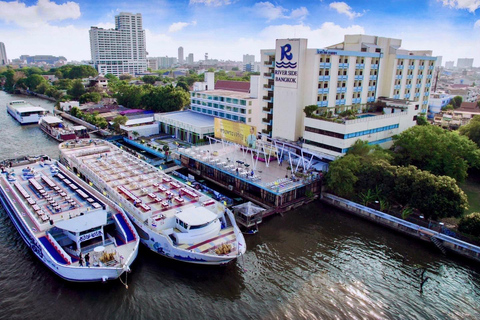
(249, 111)
(249, 119)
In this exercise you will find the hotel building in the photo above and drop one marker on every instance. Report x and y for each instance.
(355, 74)
(120, 50)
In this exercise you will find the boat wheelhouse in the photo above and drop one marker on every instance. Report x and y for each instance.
(172, 218)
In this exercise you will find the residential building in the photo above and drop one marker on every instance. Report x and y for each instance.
(180, 55)
(120, 50)
(152, 63)
(3, 55)
(449, 65)
(437, 101)
(465, 63)
(190, 58)
(166, 62)
(232, 100)
(350, 75)
(439, 61)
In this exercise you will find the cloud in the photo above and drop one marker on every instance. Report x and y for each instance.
(177, 26)
(345, 9)
(477, 24)
(271, 12)
(213, 3)
(470, 5)
(37, 15)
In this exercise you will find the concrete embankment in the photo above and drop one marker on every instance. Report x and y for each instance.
(90, 126)
(443, 242)
(38, 95)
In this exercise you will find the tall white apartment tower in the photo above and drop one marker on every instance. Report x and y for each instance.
(180, 55)
(120, 50)
(3, 55)
(190, 58)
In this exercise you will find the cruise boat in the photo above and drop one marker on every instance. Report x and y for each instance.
(171, 218)
(24, 112)
(73, 229)
(55, 128)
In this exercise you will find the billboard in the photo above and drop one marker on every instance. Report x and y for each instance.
(236, 132)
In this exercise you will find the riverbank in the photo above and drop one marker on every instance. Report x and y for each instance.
(443, 242)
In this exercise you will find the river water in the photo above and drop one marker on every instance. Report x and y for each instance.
(312, 263)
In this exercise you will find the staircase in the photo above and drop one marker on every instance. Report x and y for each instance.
(439, 245)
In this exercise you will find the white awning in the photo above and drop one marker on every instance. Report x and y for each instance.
(82, 223)
(52, 120)
(196, 216)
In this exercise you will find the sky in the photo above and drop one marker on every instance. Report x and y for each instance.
(227, 29)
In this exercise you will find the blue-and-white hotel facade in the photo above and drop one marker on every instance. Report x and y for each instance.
(357, 71)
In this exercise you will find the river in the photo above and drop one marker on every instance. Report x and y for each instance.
(315, 262)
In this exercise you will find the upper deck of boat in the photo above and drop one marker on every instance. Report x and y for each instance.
(43, 196)
(154, 194)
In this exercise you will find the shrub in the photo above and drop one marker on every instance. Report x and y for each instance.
(470, 224)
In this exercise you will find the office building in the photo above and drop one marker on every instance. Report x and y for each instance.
(152, 63)
(180, 55)
(465, 63)
(3, 55)
(348, 77)
(120, 50)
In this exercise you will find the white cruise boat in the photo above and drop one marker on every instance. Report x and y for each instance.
(24, 112)
(171, 218)
(66, 222)
(55, 128)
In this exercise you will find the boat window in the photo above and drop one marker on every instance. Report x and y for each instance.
(199, 226)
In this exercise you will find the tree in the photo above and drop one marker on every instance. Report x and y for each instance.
(125, 76)
(310, 109)
(470, 224)
(472, 130)
(436, 150)
(149, 79)
(34, 80)
(77, 89)
(118, 121)
(90, 97)
(42, 87)
(422, 120)
(342, 175)
(457, 102)
(183, 85)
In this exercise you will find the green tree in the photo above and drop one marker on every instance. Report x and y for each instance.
(183, 85)
(33, 81)
(436, 150)
(77, 89)
(149, 79)
(42, 87)
(125, 76)
(422, 120)
(470, 224)
(118, 121)
(90, 97)
(310, 109)
(342, 176)
(472, 130)
(457, 102)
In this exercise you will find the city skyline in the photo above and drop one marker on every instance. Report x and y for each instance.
(228, 29)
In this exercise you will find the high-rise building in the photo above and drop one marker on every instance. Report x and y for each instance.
(248, 59)
(3, 55)
(190, 58)
(349, 76)
(465, 63)
(152, 63)
(439, 61)
(166, 62)
(180, 55)
(120, 50)
(449, 64)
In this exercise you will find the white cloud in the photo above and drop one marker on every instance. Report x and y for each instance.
(213, 3)
(477, 24)
(177, 26)
(345, 9)
(271, 12)
(39, 14)
(470, 5)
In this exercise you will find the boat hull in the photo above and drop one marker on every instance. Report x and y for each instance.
(24, 120)
(60, 137)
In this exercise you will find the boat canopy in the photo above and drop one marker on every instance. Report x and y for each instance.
(248, 209)
(196, 216)
(51, 120)
(29, 109)
(78, 128)
(82, 223)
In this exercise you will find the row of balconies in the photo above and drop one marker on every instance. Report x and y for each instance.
(323, 90)
(358, 77)
(267, 110)
(341, 90)
(267, 99)
(268, 87)
(325, 65)
(322, 103)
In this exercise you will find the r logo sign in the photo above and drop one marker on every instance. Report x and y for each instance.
(285, 52)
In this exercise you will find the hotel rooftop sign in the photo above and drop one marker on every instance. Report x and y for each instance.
(286, 63)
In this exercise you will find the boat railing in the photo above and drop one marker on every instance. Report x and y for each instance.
(114, 241)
